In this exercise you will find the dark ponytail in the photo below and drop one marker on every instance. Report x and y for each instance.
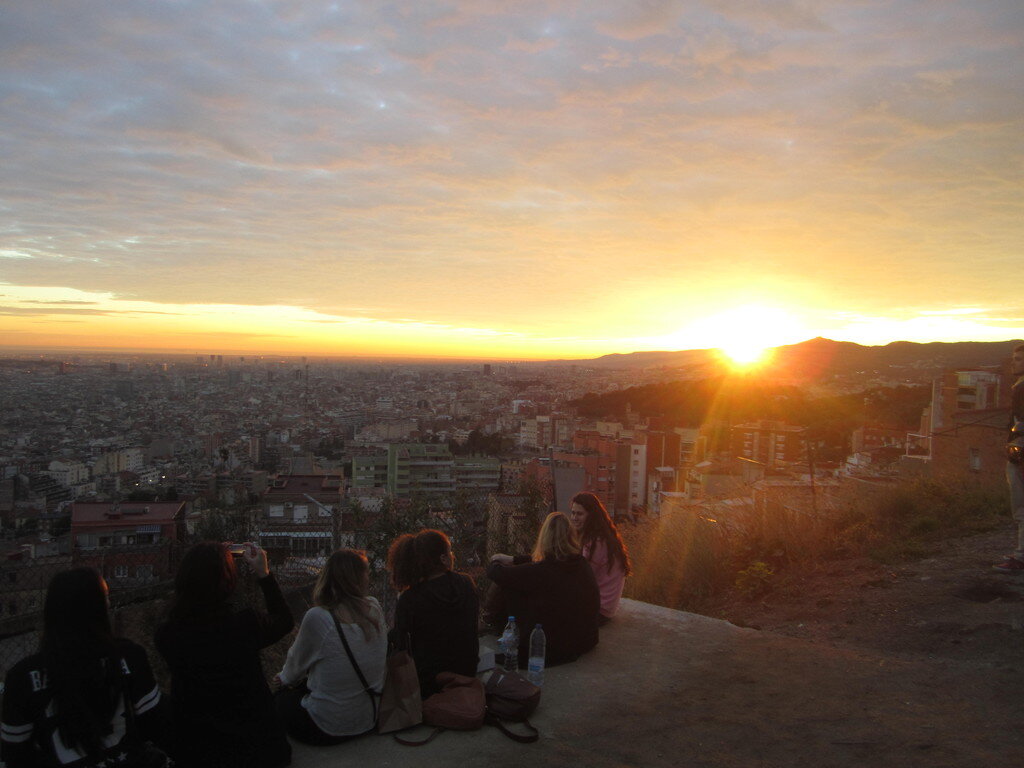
(414, 558)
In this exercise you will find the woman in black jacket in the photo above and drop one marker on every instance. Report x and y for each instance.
(556, 589)
(223, 708)
(436, 616)
(87, 698)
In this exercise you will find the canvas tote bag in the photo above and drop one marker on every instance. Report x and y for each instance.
(400, 703)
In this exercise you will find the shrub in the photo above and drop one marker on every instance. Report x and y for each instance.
(678, 560)
(754, 581)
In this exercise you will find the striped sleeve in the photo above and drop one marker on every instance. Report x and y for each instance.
(15, 734)
(151, 714)
(148, 701)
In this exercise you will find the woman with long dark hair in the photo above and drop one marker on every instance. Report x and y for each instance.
(436, 616)
(602, 547)
(329, 703)
(223, 709)
(555, 588)
(79, 698)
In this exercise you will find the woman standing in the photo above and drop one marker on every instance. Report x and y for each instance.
(223, 709)
(332, 705)
(436, 616)
(556, 589)
(602, 547)
(81, 697)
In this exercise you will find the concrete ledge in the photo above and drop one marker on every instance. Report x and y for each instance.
(583, 704)
(668, 688)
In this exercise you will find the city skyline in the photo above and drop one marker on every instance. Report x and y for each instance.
(536, 181)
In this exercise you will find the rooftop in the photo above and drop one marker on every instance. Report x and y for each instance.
(283, 485)
(83, 512)
(668, 688)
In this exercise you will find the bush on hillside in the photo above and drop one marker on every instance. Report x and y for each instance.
(684, 558)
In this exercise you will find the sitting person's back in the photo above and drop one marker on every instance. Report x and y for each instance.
(223, 708)
(557, 589)
(87, 697)
(327, 702)
(436, 616)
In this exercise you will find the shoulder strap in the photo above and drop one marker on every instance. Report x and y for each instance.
(351, 657)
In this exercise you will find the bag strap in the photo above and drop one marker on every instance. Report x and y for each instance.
(411, 743)
(521, 738)
(359, 673)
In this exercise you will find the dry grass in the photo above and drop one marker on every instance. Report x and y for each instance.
(682, 560)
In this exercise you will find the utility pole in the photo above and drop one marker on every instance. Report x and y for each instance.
(810, 468)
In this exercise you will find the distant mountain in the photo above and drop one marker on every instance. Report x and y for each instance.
(824, 356)
(633, 360)
(817, 357)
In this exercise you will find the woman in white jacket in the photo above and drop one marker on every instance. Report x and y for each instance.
(332, 692)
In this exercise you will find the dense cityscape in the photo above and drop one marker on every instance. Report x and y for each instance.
(290, 445)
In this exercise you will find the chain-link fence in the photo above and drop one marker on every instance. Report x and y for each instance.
(141, 577)
(135, 575)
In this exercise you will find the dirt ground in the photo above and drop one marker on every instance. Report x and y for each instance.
(950, 605)
(920, 663)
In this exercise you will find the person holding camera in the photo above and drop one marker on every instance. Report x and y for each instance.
(223, 708)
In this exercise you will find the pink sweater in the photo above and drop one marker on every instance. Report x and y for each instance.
(609, 583)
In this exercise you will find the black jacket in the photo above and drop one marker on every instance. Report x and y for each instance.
(28, 735)
(437, 620)
(223, 710)
(561, 595)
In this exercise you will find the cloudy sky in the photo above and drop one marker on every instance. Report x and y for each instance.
(509, 179)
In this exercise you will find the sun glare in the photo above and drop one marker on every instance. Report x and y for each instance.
(744, 355)
(744, 334)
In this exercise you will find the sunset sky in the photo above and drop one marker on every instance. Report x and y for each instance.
(509, 179)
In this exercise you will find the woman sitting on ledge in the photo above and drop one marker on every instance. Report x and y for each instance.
(557, 589)
(602, 547)
(223, 709)
(87, 698)
(329, 704)
(436, 616)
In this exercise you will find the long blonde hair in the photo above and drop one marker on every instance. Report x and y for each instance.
(557, 538)
(341, 588)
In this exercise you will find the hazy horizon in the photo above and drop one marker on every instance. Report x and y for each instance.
(7, 351)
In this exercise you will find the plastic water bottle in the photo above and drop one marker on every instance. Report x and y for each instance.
(535, 667)
(510, 645)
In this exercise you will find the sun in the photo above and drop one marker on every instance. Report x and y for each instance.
(745, 334)
(744, 354)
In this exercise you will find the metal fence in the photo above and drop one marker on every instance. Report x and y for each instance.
(141, 577)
